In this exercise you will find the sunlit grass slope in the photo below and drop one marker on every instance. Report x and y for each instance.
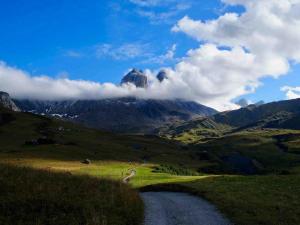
(36, 197)
(111, 155)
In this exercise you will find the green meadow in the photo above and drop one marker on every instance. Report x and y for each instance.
(44, 173)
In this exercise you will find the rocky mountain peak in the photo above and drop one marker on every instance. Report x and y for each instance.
(136, 77)
(162, 75)
(6, 102)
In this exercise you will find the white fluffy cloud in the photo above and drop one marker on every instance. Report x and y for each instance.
(291, 92)
(235, 52)
(261, 42)
(169, 56)
(20, 84)
(168, 9)
(150, 3)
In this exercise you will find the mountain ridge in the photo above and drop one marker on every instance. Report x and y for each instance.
(254, 113)
(125, 115)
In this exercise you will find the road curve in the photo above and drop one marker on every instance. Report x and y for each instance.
(131, 175)
(172, 208)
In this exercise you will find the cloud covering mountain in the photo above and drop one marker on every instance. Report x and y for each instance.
(235, 52)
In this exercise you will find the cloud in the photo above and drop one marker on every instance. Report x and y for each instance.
(188, 80)
(143, 52)
(168, 9)
(24, 86)
(260, 42)
(291, 92)
(73, 54)
(235, 53)
(122, 52)
(266, 28)
(169, 56)
(243, 102)
(151, 3)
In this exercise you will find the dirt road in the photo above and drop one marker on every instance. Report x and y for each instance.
(171, 208)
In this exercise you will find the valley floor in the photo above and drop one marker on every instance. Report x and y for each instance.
(70, 165)
(245, 200)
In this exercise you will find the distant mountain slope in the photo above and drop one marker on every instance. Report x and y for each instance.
(129, 115)
(275, 114)
(195, 130)
(278, 115)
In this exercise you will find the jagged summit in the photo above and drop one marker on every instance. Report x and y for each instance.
(136, 77)
(162, 75)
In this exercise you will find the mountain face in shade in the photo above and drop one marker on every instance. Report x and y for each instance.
(125, 115)
(282, 114)
(6, 102)
(137, 78)
(162, 75)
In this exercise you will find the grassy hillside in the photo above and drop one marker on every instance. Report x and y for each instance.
(282, 114)
(31, 136)
(198, 130)
(34, 197)
(274, 115)
(269, 151)
(55, 146)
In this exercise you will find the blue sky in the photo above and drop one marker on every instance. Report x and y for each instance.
(100, 40)
(41, 39)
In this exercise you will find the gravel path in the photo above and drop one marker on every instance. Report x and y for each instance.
(131, 175)
(171, 208)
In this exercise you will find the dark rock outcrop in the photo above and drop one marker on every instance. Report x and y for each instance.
(162, 75)
(6, 102)
(137, 78)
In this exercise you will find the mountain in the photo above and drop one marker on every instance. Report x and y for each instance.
(162, 75)
(245, 103)
(129, 115)
(275, 114)
(136, 77)
(6, 102)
